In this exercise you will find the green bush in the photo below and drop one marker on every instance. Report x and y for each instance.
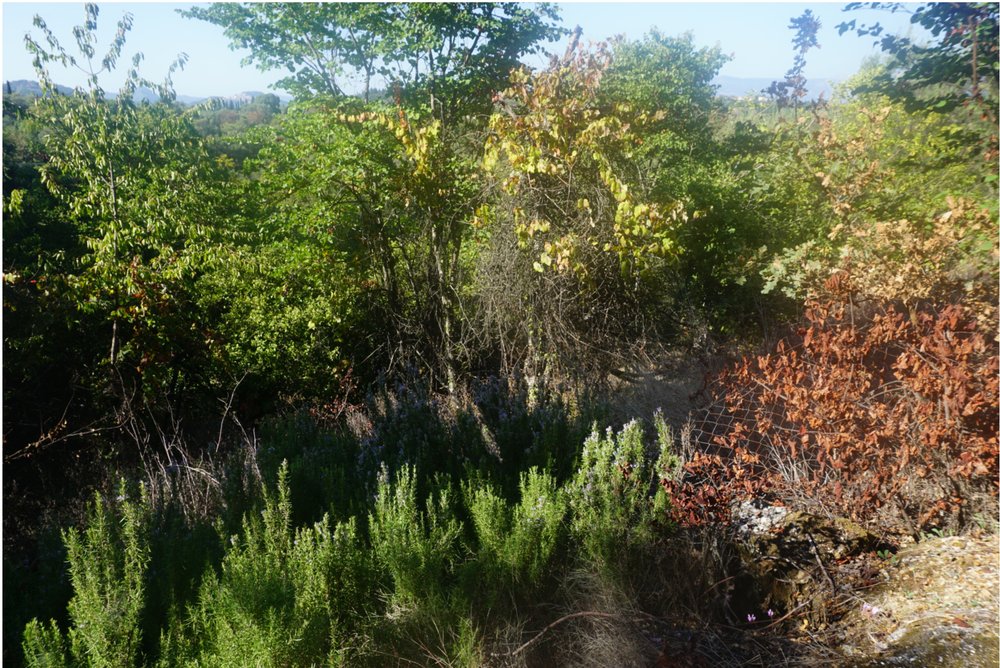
(417, 548)
(430, 579)
(44, 646)
(284, 597)
(494, 430)
(517, 545)
(107, 564)
(615, 499)
(33, 587)
(410, 426)
(323, 475)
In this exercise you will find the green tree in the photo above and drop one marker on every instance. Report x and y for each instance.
(674, 77)
(959, 65)
(470, 48)
(382, 200)
(957, 70)
(318, 43)
(404, 201)
(444, 55)
(145, 199)
(41, 245)
(686, 154)
(108, 563)
(283, 305)
(789, 92)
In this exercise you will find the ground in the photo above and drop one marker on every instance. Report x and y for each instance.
(934, 603)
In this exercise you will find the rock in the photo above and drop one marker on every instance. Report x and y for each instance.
(785, 557)
(755, 517)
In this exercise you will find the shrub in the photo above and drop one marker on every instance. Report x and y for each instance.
(890, 411)
(410, 426)
(615, 498)
(416, 547)
(517, 545)
(107, 563)
(37, 586)
(284, 597)
(950, 257)
(537, 525)
(924, 235)
(532, 424)
(322, 467)
(44, 646)
(497, 428)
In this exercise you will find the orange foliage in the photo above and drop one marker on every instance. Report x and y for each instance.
(900, 409)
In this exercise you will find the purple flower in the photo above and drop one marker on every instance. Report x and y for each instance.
(751, 618)
(770, 613)
(870, 610)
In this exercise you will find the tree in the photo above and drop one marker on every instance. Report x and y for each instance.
(268, 102)
(960, 66)
(578, 208)
(688, 153)
(789, 92)
(387, 200)
(444, 55)
(674, 77)
(887, 205)
(140, 189)
(41, 245)
(319, 43)
(452, 56)
(397, 188)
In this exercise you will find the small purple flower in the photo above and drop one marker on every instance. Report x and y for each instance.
(751, 618)
(770, 613)
(870, 610)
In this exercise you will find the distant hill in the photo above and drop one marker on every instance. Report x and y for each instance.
(751, 86)
(728, 87)
(233, 101)
(142, 94)
(30, 88)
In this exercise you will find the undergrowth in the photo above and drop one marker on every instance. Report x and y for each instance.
(497, 528)
(886, 415)
(415, 534)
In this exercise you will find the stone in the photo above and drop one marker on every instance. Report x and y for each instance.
(785, 557)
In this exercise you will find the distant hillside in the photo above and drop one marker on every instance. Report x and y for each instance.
(751, 86)
(728, 87)
(29, 88)
(142, 94)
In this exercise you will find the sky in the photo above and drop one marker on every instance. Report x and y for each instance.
(756, 35)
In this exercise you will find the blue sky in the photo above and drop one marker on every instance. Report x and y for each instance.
(755, 34)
